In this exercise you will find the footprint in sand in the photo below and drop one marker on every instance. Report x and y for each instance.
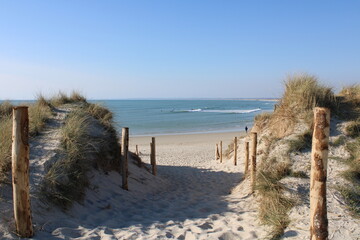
(206, 225)
(240, 229)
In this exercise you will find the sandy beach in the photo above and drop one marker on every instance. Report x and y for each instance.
(190, 198)
(200, 138)
(196, 202)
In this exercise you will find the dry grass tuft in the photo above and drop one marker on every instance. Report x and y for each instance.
(62, 98)
(351, 93)
(302, 93)
(38, 114)
(349, 98)
(274, 205)
(302, 142)
(100, 113)
(5, 146)
(41, 100)
(353, 129)
(262, 120)
(351, 193)
(76, 97)
(5, 108)
(66, 179)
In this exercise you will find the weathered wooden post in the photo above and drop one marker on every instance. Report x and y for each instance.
(246, 158)
(221, 155)
(20, 172)
(138, 157)
(217, 155)
(319, 158)
(235, 151)
(153, 156)
(253, 160)
(125, 149)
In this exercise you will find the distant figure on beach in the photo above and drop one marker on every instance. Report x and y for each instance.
(246, 128)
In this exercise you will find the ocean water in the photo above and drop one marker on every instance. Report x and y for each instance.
(162, 117)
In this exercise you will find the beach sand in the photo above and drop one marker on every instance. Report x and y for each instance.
(195, 202)
(193, 196)
(190, 198)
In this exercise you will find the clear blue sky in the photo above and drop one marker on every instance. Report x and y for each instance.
(167, 49)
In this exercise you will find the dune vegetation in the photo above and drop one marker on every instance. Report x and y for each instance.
(88, 141)
(291, 126)
(38, 115)
(350, 97)
(62, 98)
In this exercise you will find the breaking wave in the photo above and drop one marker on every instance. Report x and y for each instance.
(238, 111)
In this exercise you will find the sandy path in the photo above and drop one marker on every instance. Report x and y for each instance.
(189, 199)
(196, 203)
(42, 150)
(43, 147)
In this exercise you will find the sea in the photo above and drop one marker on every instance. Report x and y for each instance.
(172, 117)
(169, 117)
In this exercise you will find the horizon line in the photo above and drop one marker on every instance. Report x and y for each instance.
(115, 99)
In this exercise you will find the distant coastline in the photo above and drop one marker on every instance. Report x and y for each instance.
(161, 99)
(191, 99)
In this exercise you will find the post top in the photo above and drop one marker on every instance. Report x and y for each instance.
(20, 107)
(321, 109)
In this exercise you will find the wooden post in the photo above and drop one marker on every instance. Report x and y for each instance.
(235, 151)
(246, 157)
(216, 150)
(137, 150)
(153, 155)
(319, 158)
(217, 153)
(221, 151)
(253, 160)
(125, 149)
(20, 172)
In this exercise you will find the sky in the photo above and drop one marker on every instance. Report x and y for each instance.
(175, 48)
